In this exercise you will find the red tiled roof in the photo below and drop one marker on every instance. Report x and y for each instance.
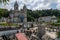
(21, 36)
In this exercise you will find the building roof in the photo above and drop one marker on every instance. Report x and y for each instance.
(21, 36)
(53, 16)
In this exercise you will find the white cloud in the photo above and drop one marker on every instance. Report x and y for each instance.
(58, 4)
(27, 1)
(33, 4)
(42, 6)
(58, 1)
(50, 1)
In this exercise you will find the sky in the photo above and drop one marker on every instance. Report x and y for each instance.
(33, 4)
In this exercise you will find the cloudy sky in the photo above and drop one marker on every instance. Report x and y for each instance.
(33, 4)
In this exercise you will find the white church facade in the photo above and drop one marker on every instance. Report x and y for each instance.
(18, 16)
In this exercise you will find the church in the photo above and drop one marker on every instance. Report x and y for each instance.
(18, 16)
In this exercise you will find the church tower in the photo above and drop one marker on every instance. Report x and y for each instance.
(25, 12)
(19, 16)
(16, 6)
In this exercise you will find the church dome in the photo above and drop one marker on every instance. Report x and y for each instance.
(24, 7)
(16, 6)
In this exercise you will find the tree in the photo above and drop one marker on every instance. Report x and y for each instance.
(58, 34)
(3, 1)
(4, 13)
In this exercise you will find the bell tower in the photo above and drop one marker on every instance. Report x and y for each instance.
(16, 6)
(25, 12)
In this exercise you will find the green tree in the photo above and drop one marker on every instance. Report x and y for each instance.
(4, 13)
(58, 34)
(3, 1)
